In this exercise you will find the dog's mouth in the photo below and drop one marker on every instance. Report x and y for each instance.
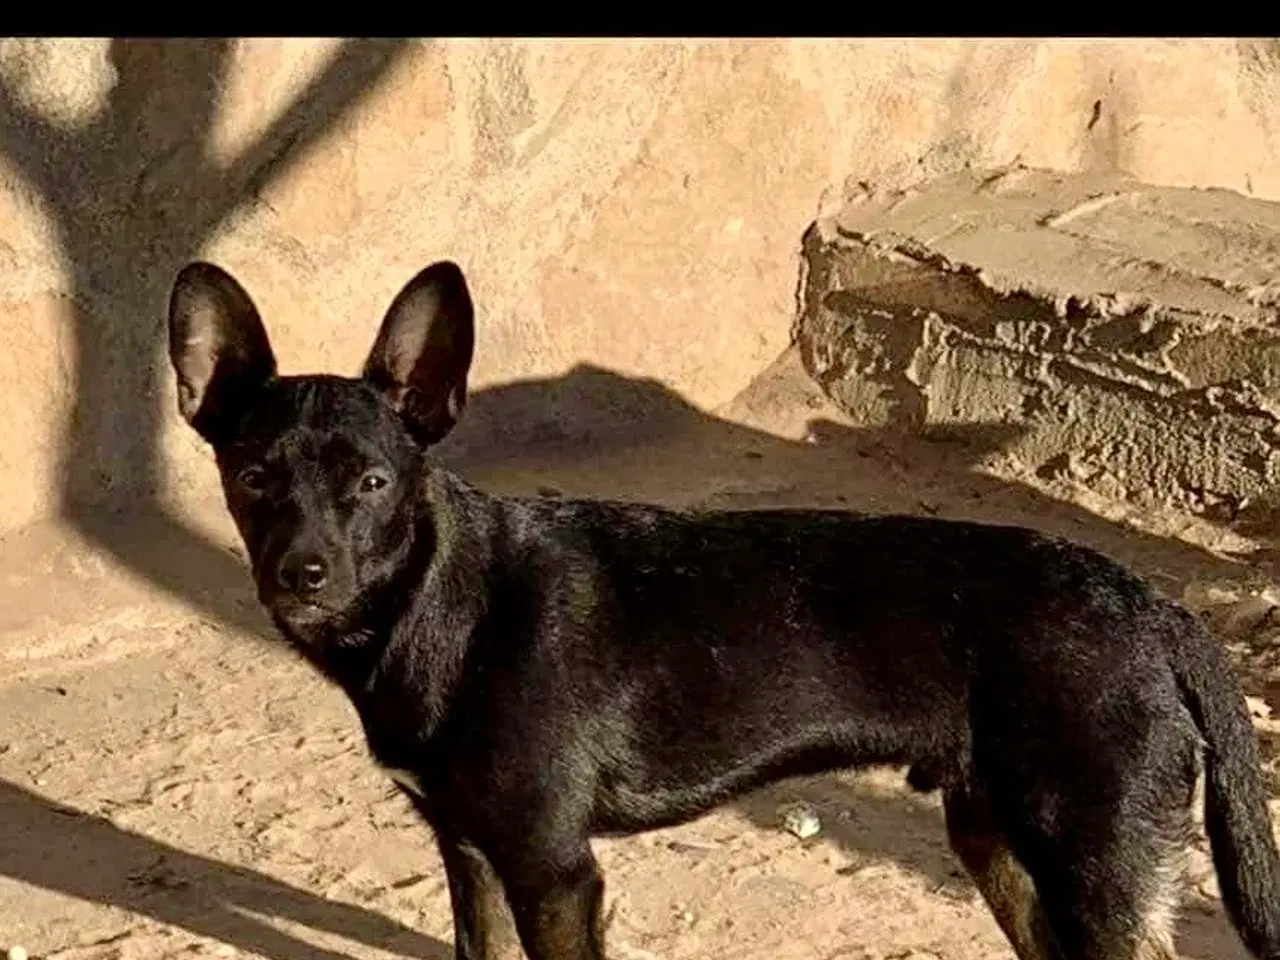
(299, 614)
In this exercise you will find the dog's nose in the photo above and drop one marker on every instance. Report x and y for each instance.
(303, 573)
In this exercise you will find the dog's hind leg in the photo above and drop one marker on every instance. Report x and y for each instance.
(1115, 908)
(1108, 856)
(1109, 869)
(1002, 881)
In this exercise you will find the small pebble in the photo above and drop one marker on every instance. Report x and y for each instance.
(17, 953)
(801, 821)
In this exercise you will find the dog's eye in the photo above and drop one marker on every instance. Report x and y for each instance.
(252, 478)
(372, 482)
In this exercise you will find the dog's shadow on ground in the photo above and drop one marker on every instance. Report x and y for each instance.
(592, 432)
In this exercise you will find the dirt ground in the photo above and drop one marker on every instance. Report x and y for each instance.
(173, 783)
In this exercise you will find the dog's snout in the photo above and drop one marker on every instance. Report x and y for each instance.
(303, 572)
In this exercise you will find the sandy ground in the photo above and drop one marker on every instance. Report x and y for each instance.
(172, 783)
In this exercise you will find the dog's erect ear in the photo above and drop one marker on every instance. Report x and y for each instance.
(218, 347)
(423, 351)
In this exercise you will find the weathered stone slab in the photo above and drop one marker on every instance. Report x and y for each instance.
(1130, 331)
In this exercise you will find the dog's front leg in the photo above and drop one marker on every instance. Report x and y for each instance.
(481, 922)
(556, 900)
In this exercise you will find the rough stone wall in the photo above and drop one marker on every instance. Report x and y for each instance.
(635, 205)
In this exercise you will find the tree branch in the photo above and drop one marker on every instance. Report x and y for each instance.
(353, 73)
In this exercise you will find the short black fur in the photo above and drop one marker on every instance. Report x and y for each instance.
(536, 672)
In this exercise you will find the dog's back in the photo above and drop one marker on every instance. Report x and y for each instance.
(754, 643)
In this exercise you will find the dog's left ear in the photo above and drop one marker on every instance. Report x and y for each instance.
(423, 351)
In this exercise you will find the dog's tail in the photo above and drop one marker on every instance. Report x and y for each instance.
(1236, 816)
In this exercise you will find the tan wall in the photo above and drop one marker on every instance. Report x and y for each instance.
(635, 205)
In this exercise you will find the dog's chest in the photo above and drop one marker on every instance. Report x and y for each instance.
(398, 753)
(400, 764)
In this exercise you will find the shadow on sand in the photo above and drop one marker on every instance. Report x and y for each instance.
(56, 847)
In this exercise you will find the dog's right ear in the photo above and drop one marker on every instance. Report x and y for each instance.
(218, 347)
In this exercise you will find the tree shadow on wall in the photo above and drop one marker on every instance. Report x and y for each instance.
(132, 195)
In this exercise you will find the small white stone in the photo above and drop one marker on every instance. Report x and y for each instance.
(801, 821)
(17, 953)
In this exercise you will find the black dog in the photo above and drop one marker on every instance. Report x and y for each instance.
(535, 672)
